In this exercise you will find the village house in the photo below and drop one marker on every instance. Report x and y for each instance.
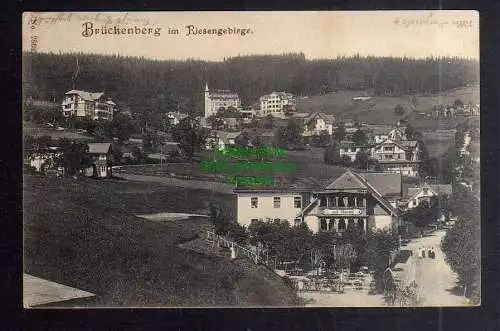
(88, 104)
(425, 192)
(216, 99)
(222, 139)
(396, 134)
(444, 111)
(316, 123)
(276, 103)
(397, 157)
(174, 118)
(127, 153)
(247, 113)
(350, 149)
(472, 109)
(102, 159)
(365, 200)
(269, 138)
(268, 204)
(44, 161)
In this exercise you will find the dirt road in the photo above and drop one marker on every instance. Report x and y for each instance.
(205, 185)
(434, 277)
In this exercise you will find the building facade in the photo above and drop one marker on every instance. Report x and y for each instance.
(426, 192)
(350, 149)
(216, 99)
(396, 134)
(397, 157)
(102, 160)
(363, 201)
(268, 205)
(88, 104)
(276, 103)
(317, 123)
(367, 201)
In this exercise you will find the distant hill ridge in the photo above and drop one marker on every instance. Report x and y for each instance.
(151, 85)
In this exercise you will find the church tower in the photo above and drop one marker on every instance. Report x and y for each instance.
(208, 104)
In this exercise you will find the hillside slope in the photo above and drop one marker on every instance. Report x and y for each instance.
(380, 109)
(83, 234)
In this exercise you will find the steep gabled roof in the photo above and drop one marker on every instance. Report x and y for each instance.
(90, 96)
(405, 145)
(442, 188)
(346, 181)
(351, 180)
(225, 136)
(378, 196)
(99, 148)
(438, 189)
(385, 183)
(328, 118)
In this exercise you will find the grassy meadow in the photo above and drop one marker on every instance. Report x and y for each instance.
(83, 233)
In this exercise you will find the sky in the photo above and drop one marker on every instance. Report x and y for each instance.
(317, 34)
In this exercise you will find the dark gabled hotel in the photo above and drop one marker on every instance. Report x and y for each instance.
(365, 200)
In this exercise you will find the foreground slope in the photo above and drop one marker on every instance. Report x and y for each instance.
(82, 233)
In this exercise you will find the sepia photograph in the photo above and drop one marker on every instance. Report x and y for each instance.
(251, 159)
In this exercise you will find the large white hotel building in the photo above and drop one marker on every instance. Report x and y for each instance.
(216, 99)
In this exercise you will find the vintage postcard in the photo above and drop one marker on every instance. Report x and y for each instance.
(251, 159)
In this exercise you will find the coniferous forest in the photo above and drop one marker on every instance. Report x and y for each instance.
(144, 85)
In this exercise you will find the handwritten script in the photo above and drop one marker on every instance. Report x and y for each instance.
(432, 21)
(36, 19)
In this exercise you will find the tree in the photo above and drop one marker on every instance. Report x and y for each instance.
(216, 122)
(150, 141)
(363, 160)
(402, 295)
(74, 156)
(462, 243)
(119, 127)
(458, 103)
(291, 135)
(324, 138)
(288, 110)
(339, 133)
(324, 243)
(35, 146)
(189, 135)
(410, 132)
(359, 138)
(344, 256)
(399, 110)
(345, 161)
(269, 122)
(424, 214)
(229, 112)
(332, 154)
(138, 155)
(379, 246)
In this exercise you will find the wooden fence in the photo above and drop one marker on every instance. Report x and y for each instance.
(256, 257)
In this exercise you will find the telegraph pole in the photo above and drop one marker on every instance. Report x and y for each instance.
(161, 156)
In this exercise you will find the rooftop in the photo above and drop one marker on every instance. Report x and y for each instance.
(90, 96)
(329, 118)
(99, 148)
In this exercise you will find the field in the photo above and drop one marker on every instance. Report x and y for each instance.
(380, 110)
(37, 130)
(309, 165)
(83, 233)
(438, 141)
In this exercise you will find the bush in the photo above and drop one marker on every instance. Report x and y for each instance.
(403, 296)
